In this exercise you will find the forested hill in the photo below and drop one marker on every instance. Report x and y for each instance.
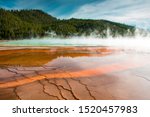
(19, 24)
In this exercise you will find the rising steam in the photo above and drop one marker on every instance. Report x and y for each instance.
(140, 41)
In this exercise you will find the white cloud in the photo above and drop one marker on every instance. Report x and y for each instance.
(135, 12)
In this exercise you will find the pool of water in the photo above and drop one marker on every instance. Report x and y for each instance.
(38, 57)
(137, 44)
(52, 42)
(122, 42)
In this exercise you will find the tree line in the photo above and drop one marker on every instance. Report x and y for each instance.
(20, 24)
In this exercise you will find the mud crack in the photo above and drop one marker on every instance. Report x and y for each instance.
(52, 84)
(85, 87)
(57, 88)
(143, 77)
(44, 90)
(81, 84)
(16, 93)
(70, 89)
(67, 89)
(16, 73)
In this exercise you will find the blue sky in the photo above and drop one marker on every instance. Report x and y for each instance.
(134, 12)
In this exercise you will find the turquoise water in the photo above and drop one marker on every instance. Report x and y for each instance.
(137, 44)
(52, 42)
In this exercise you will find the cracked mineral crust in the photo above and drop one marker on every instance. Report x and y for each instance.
(73, 73)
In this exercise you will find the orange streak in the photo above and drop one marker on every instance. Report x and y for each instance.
(84, 73)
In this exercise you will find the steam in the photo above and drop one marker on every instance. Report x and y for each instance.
(140, 42)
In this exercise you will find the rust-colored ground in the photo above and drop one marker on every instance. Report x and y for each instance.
(73, 73)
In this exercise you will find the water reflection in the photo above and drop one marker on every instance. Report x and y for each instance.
(39, 57)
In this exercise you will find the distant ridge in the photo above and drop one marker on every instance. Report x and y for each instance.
(20, 24)
(33, 16)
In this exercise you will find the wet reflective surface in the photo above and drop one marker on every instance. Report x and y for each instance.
(73, 73)
(39, 57)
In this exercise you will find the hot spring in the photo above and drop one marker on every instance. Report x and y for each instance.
(111, 67)
(136, 43)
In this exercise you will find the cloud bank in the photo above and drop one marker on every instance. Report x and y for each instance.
(134, 12)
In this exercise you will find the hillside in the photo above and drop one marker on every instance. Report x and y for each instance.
(34, 16)
(88, 27)
(19, 24)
